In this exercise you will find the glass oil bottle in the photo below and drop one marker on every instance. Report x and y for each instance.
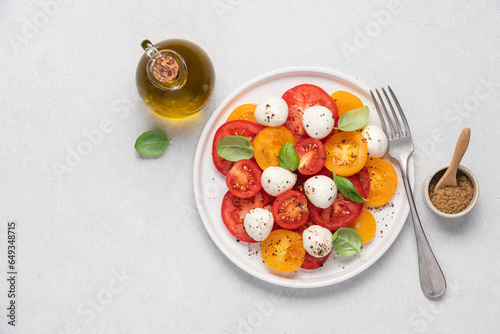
(175, 77)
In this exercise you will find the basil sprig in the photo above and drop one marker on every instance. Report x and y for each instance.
(234, 148)
(152, 143)
(345, 186)
(288, 157)
(347, 242)
(354, 119)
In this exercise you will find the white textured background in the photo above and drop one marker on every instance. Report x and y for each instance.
(67, 66)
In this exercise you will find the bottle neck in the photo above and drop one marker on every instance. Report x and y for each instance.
(166, 69)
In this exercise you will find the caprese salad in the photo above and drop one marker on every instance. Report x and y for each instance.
(299, 170)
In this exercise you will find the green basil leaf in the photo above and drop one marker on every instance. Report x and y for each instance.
(288, 157)
(151, 143)
(354, 119)
(234, 148)
(347, 242)
(345, 186)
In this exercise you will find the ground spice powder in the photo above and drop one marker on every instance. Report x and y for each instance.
(451, 199)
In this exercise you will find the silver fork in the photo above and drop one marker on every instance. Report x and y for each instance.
(397, 130)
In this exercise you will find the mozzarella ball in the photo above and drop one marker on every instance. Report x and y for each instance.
(376, 141)
(277, 180)
(258, 223)
(317, 241)
(320, 190)
(318, 121)
(273, 111)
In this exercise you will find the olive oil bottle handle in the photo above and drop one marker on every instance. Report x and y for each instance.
(166, 68)
(149, 47)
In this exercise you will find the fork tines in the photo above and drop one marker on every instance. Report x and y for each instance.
(393, 126)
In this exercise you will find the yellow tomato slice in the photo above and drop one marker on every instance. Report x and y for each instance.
(383, 179)
(346, 101)
(365, 225)
(283, 250)
(346, 153)
(243, 112)
(268, 143)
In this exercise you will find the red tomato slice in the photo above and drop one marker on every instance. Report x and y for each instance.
(324, 171)
(364, 177)
(311, 262)
(232, 128)
(243, 179)
(312, 156)
(341, 213)
(234, 210)
(300, 98)
(290, 209)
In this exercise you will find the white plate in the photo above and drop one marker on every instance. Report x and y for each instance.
(210, 185)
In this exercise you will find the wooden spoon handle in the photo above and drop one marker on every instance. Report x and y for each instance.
(450, 176)
(462, 144)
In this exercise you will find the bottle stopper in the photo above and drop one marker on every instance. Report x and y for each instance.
(165, 69)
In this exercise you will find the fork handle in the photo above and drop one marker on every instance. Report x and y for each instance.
(432, 279)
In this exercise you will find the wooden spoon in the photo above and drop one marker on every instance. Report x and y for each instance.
(449, 179)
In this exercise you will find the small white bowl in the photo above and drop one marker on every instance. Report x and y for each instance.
(473, 202)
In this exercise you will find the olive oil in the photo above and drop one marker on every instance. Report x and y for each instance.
(175, 77)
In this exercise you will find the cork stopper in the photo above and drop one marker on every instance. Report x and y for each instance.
(165, 69)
